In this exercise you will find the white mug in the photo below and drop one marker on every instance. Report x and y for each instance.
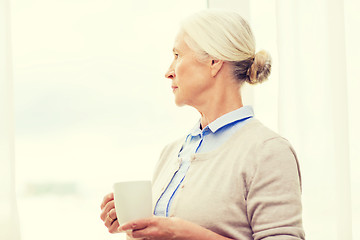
(133, 200)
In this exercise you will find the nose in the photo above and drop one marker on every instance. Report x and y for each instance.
(170, 72)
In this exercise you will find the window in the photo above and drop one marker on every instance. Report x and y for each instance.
(91, 101)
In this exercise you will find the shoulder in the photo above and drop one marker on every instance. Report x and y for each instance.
(259, 138)
(255, 129)
(269, 153)
(256, 135)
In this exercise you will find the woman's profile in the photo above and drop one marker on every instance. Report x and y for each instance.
(229, 177)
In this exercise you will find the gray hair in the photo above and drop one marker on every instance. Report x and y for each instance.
(225, 35)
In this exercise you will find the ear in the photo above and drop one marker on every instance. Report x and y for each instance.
(215, 66)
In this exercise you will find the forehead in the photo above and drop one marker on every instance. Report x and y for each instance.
(179, 43)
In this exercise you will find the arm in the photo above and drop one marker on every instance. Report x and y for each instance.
(274, 193)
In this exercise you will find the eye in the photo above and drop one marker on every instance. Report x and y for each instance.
(176, 55)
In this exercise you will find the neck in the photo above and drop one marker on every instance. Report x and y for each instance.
(219, 105)
(223, 96)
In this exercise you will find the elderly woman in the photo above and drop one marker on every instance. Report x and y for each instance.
(230, 177)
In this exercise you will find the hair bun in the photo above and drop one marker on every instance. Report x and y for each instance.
(260, 69)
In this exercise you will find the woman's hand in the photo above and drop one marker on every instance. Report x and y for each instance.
(154, 228)
(161, 228)
(108, 214)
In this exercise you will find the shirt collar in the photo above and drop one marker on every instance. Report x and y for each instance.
(228, 118)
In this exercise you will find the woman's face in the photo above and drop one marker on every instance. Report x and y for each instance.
(190, 77)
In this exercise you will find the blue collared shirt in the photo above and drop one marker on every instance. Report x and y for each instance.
(200, 141)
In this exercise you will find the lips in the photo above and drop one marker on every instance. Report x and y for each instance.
(174, 87)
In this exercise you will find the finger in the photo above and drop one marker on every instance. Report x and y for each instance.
(136, 225)
(109, 221)
(139, 234)
(146, 233)
(108, 197)
(114, 227)
(109, 206)
(128, 237)
(112, 214)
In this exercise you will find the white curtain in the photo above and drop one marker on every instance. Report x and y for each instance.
(315, 86)
(312, 99)
(8, 211)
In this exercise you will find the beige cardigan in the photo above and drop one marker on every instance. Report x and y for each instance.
(248, 188)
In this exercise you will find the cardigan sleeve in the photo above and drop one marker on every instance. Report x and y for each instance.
(274, 192)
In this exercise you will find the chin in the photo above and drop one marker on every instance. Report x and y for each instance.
(179, 103)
